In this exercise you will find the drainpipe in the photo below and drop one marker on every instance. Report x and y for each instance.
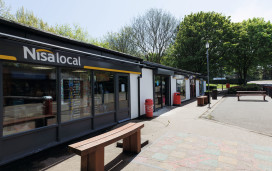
(139, 95)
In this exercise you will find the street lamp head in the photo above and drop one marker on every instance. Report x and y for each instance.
(207, 45)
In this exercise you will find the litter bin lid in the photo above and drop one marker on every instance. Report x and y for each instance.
(48, 97)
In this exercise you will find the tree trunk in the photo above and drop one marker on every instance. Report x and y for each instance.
(245, 76)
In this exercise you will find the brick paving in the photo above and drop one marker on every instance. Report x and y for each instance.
(177, 150)
(179, 140)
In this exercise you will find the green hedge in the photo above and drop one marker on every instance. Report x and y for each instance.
(248, 87)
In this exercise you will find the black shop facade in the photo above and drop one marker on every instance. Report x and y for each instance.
(54, 89)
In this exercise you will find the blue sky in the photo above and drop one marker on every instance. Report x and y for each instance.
(101, 16)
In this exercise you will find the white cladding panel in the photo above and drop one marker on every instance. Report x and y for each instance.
(187, 89)
(146, 86)
(173, 88)
(197, 88)
(134, 95)
(204, 86)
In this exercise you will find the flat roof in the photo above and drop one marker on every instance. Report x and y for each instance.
(63, 38)
(152, 64)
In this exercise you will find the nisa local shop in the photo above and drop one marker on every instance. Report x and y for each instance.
(53, 89)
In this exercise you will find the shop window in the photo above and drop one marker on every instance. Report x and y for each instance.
(201, 92)
(123, 92)
(158, 92)
(181, 87)
(29, 97)
(103, 92)
(75, 94)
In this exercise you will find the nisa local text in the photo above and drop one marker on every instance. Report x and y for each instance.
(48, 56)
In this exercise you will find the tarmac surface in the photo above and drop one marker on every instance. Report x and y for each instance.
(251, 112)
(180, 140)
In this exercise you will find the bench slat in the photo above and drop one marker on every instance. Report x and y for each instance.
(90, 147)
(251, 95)
(251, 91)
(98, 137)
(102, 142)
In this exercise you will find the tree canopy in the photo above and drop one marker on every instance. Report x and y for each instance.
(196, 29)
(27, 17)
(122, 41)
(153, 32)
(240, 48)
(250, 46)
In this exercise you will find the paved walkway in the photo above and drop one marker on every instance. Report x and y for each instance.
(180, 140)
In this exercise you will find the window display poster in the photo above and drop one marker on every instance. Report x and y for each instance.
(123, 88)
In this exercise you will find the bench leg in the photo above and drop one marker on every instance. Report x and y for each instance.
(93, 161)
(132, 143)
(238, 98)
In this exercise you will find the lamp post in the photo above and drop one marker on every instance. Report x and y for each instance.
(207, 47)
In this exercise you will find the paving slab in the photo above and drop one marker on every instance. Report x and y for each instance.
(180, 140)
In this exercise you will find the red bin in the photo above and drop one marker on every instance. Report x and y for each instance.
(177, 100)
(228, 85)
(47, 105)
(149, 108)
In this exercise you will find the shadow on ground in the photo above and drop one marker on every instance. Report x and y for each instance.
(49, 157)
(120, 162)
(52, 156)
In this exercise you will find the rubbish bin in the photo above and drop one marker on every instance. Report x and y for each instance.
(270, 91)
(227, 85)
(214, 94)
(47, 105)
(177, 100)
(149, 108)
(208, 94)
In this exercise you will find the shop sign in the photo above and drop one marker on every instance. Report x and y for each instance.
(48, 56)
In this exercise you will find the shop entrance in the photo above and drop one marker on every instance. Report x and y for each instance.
(122, 97)
(161, 91)
(192, 88)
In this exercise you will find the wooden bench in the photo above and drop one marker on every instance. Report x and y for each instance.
(205, 99)
(92, 149)
(251, 93)
(201, 100)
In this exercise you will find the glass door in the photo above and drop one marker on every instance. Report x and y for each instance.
(163, 90)
(123, 111)
(192, 88)
(158, 94)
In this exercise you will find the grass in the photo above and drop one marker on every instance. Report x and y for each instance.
(219, 86)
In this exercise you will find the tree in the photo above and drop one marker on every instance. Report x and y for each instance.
(153, 32)
(122, 41)
(28, 18)
(250, 46)
(194, 31)
(76, 32)
(5, 10)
